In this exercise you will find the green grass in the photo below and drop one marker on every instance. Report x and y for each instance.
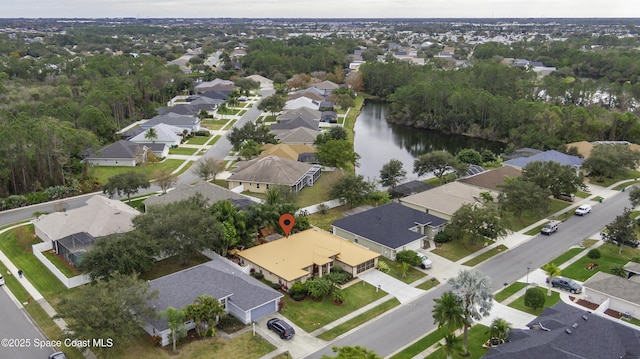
(350, 119)
(185, 168)
(198, 140)
(172, 265)
(310, 315)
(536, 230)
(606, 182)
(609, 258)
(566, 256)
(60, 263)
(582, 194)
(319, 191)
(359, 319)
(477, 336)
(395, 270)
(182, 151)
(486, 255)
(433, 282)
(324, 221)
(509, 291)
(420, 345)
(16, 245)
(549, 301)
(527, 219)
(103, 173)
(214, 124)
(458, 249)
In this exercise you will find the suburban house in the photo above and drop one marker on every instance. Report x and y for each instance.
(302, 102)
(119, 153)
(294, 123)
(493, 179)
(306, 254)
(584, 148)
(242, 296)
(389, 228)
(567, 331)
(312, 94)
(520, 152)
(304, 112)
(165, 134)
(259, 174)
(329, 117)
(551, 155)
(264, 82)
(326, 87)
(615, 293)
(296, 136)
(210, 192)
(208, 85)
(443, 201)
(301, 153)
(184, 122)
(100, 217)
(73, 247)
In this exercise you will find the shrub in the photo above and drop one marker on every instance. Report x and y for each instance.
(275, 286)
(229, 323)
(202, 133)
(409, 257)
(594, 254)
(443, 237)
(297, 291)
(258, 275)
(534, 298)
(383, 267)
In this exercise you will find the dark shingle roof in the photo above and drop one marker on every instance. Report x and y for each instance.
(551, 155)
(211, 192)
(171, 119)
(594, 338)
(215, 278)
(411, 187)
(388, 224)
(118, 149)
(295, 123)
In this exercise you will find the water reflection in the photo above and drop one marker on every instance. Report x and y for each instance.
(377, 142)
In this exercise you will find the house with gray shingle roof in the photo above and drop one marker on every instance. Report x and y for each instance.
(241, 295)
(613, 292)
(119, 153)
(389, 228)
(297, 136)
(210, 192)
(165, 134)
(259, 174)
(565, 331)
(190, 123)
(295, 123)
(551, 155)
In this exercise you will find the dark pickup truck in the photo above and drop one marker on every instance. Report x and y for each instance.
(566, 284)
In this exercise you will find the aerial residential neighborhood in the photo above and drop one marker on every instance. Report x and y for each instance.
(319, 188)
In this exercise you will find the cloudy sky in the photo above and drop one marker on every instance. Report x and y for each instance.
(319, 9)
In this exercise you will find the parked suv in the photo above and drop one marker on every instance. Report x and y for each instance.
(425, 263)
(281, 327)
(566, 284)
(551, 227)
(583, 210)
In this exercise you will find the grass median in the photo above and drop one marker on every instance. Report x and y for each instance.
(358, 320)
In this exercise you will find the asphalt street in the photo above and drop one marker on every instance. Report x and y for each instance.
(19, 338)
(407, 323)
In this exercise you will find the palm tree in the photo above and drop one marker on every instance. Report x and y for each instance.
(500, 329)
(151, 134)
(552, 271)
(222, 109)
(204, 311)
(448, 313)
(175, 321)
(473, 289)
(451, 344)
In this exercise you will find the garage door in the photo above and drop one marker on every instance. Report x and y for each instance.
(263, 310)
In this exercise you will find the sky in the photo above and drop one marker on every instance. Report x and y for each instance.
(319, 8)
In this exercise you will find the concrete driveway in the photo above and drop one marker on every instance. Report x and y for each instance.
(518, 319)
(404, 292)
(301, 345)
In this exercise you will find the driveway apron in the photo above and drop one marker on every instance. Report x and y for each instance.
(404, 292)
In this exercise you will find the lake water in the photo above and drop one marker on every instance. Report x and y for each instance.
(377, 142)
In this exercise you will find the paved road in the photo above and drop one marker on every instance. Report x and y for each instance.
(398, 328)
(17, 325)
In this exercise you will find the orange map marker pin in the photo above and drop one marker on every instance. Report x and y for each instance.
(287, 221)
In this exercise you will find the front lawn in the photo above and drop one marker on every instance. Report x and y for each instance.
(572, 252)
(428, 284)
(549, 302)
(172, 265)
(458, 249)
(213, 124)
(606, 182)
(103, 173)
(420, 345)
(395, 270)
(198, 140)
(486, 255)
(527, 219)
(359, 319)
(609, 258)
(310, 315)
(509, 291)
(477, 335)
(182, 151)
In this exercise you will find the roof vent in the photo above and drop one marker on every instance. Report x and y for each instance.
(574, 326)
(585, 317)
(568, 331)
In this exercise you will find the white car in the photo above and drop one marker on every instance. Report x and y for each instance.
(583, 210)
(426, 262)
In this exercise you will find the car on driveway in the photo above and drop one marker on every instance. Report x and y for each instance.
(566, 284)
(425, 262)
(550, 228)
(281, 327)
(583, 210)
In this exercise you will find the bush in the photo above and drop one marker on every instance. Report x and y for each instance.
(443, 237)
(297, 291)
(534, 298)
(202, 133)
(594, 254)
(229, 323)
(275, 286)
(409, 257)
(258, 275)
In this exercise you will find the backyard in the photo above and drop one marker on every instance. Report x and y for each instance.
(103, 173)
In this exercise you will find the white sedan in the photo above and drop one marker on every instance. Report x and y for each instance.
(426, 262)
(583, 210)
